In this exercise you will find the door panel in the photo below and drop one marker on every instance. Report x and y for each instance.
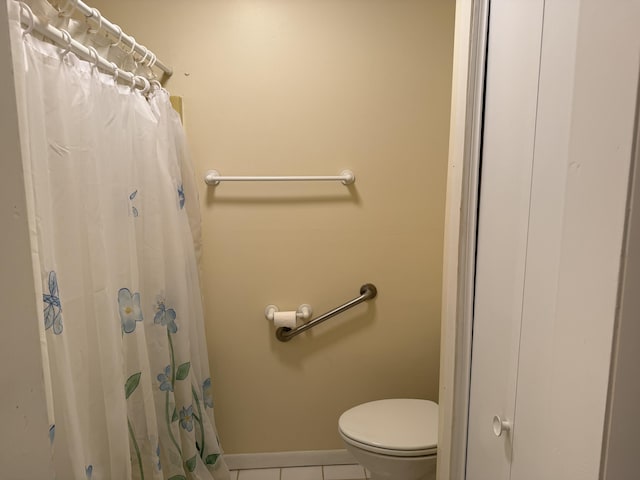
(559, 126)
(507, 157)
(584, 137)
(536, 357)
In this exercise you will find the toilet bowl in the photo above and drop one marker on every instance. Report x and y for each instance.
(394, 438)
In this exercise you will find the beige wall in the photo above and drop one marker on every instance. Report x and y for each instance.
(313, 87)
(24, 445)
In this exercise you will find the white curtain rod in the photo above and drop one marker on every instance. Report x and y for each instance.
(64, 40)
(116, 32)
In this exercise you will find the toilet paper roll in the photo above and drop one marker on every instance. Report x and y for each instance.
(285, 319)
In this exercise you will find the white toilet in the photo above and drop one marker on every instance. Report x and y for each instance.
(394, 439)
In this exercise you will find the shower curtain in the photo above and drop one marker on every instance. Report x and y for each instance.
(114, 225)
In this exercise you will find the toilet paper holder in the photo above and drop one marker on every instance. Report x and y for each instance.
(286, 333)
(303, 312)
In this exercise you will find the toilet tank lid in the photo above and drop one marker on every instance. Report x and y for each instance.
(394, 424)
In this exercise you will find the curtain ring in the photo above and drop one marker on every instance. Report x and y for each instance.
(31, 23)
(156, 85)
(116, 72)
(95, 13)
(67, 37)
(133, 81)
(144, 57)
(153, 60)
(151, 64)
(133, 46)
(117, 27)
(147, 85)
(94, 53)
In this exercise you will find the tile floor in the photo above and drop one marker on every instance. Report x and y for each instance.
(327, 472)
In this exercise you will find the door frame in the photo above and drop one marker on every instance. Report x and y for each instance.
(461, 216)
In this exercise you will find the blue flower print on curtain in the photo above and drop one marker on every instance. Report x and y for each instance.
(165, 316)
(134, 210)
(52, 433)
(207, 398)
(52, 306)
(158, 464)
(186, 418)
(88, 471)
(165, 380)
(130, 311)
(181, 197)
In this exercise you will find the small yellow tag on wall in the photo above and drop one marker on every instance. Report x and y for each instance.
(176, 103)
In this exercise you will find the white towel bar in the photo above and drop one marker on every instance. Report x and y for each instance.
(213, 177)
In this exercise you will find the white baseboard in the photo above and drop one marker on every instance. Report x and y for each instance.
(242, 461)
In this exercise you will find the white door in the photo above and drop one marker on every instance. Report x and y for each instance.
(561, 99)
(507, 159)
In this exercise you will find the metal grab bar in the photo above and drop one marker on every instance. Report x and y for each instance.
(367, 292)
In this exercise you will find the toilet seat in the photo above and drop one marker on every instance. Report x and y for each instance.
(387, 451)
(396, 427)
